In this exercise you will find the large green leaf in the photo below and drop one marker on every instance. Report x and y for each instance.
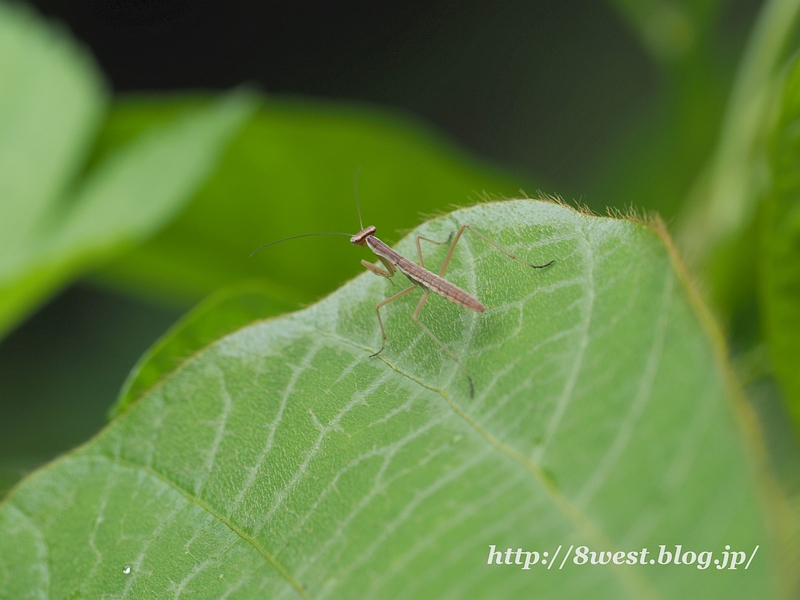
(290, 171)
(780, 246)
(283, 461)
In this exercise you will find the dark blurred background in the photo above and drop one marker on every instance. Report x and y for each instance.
(539, 86)
(561, 92)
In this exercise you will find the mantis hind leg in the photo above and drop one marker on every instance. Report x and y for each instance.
(419, 247)
(488, 241)
(439, 342)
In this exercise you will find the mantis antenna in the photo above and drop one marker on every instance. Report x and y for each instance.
(358, 205)
(294, 237)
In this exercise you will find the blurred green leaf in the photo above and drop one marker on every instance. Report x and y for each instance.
(655, 163)
(698, 152)
(51, 101)
(290, 171)
(221, 313)
(122, 200)
(780, 246)
(726, 197)
(669, 29)
(282, 461)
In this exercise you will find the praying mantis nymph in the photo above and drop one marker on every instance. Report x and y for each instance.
(418, 275)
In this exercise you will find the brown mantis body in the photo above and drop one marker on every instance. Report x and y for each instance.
(424, 279)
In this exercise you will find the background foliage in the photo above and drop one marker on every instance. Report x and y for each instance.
(145, 204)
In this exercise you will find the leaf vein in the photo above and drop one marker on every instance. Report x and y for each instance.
(572, 378)
(215, 514)
(640, 400)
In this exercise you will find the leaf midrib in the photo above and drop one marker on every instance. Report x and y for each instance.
(638, 585)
